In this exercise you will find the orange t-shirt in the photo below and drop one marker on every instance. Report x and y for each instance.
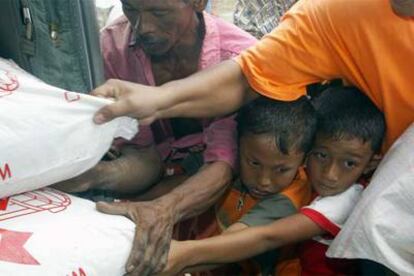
(361, 41)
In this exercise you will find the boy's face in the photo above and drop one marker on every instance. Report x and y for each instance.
(264, 169)
(335, 164)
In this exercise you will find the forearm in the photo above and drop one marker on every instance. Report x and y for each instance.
(134, 171)
(198, 192)
(239, 245)
(221, 89)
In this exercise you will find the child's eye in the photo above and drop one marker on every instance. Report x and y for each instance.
(350, 164)
(320, 155)
(253, 163)
(160, 13)
(282, 170)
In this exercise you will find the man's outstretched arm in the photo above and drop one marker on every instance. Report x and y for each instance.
(216, 91)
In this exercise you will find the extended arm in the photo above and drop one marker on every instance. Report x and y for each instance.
(218, 90)
(240, 244)
(200, 191)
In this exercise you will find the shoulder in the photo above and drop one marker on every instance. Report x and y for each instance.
(231, 39)
(337, 203)
(334, 209)
(116, 35)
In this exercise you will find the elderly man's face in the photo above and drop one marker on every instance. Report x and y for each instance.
(403, 7)
(159, 24)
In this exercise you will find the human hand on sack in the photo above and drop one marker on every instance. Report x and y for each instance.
(93, 178)
(154, 225)
(131, 99)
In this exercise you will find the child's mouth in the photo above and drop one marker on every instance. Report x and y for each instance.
(258, 193)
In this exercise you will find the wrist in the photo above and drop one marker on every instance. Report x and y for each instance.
(168, 98)
(191, 257)
(169, 203)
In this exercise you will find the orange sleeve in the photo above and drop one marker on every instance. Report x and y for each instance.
(293, 55)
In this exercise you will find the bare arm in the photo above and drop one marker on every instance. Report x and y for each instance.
(200, 191)
(241, 244)
(218, 90)
(134, 171)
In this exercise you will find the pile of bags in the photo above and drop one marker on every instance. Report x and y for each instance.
(47, 135)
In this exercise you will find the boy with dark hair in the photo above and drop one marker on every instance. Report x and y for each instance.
(350, 132)
(274, 138)
(347, 144)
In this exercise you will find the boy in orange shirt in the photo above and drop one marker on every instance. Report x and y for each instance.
(274, 138)
(349, 134)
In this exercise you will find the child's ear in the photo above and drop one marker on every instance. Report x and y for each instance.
(373, 163)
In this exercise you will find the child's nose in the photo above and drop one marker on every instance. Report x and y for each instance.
(265, 180)
(331, 173)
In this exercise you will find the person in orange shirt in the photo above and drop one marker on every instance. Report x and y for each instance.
(367, 43)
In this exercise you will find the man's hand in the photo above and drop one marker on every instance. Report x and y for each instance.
(154, 225)
(131, 99)
(93, 178)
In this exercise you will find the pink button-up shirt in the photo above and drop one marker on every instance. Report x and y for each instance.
(222, 41)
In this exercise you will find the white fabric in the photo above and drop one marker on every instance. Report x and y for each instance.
(336, 208)
(47, 134)
(381, 227)
(47, 232)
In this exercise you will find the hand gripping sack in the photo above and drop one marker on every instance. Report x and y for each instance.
(47, 134)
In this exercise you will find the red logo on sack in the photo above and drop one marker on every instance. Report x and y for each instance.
(3, 203)
(71, 97)
(12, 250)
(8, 83)
(5, 172)
(34, 202)
(80, 273)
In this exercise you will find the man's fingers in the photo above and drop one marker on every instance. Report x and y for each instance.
(161, 257)
(116, 208)
(111, 111)
(138, 246)
(156, 250)
(110, 89)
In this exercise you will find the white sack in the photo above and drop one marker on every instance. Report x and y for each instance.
(47, 134)
(381, 227)
(47, 232)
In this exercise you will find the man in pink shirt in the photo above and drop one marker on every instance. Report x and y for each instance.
(158, 41)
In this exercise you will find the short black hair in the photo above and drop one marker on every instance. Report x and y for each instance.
(292, 124)
(346, 112)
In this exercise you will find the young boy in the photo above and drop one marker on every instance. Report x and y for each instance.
(274, 138)
(350, 132)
